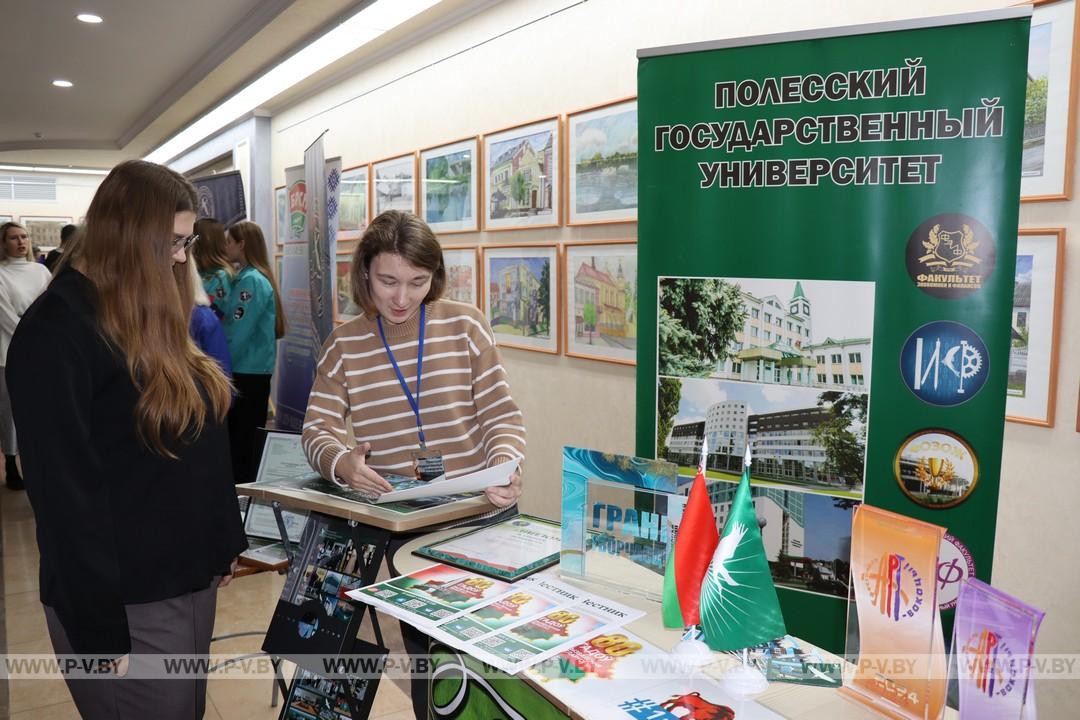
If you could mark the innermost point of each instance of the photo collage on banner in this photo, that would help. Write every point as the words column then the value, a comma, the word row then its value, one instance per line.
column 782, row 367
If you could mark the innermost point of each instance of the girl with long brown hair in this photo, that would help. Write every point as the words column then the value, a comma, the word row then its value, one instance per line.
column 254, row 321
column 213, row 263
column 137, row 518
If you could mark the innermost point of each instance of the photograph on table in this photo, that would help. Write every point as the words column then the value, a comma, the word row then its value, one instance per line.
column 1049, row 109
column 521, row 181
column 44, row 232
column 600, row 291
column 281, row 216
column 1036, row 317
column 345, row 308
column 353, row 203
column 448, row 183
column 806, row 333
column 462, row 273
column 799, row 438
column 601, row 162
column 395, row 184
column 521, row 296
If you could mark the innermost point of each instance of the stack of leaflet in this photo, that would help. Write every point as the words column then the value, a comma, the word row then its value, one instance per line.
column 509, row 626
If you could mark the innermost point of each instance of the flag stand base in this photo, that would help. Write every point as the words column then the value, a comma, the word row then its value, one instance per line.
column 694, row 653
column 743, row 681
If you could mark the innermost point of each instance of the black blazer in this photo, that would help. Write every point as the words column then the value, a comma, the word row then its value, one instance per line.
column 116, row 523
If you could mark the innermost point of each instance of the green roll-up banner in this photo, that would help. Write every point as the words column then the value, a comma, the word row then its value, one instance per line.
column 827, row 241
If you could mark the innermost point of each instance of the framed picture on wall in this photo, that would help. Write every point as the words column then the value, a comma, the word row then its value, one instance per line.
column 395, row 184
column 6, row 219
column 601, row 164
column 1049, row 112
column 448, row 186
column 600, row 301
column 462, row 274
column 521, row 176
column 1035, row 320
column 44, row 231
column 353, row 203
column 521, row 295
column 344, row 307
column 281, row 216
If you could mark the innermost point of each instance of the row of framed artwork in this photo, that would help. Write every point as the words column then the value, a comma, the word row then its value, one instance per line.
column 575, row 298
column 44, row 231
column 523, row 180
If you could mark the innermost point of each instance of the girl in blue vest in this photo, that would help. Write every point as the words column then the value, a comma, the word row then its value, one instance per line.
column 213, row 263
column 253, row 321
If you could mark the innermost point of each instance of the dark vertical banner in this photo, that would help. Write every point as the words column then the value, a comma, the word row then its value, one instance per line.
column 297, row 350
column 221, row 197
column 827, row 236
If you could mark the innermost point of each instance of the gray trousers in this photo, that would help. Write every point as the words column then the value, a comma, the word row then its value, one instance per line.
column 7, row 422
column 177, row 626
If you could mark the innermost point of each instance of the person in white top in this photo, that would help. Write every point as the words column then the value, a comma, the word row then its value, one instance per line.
column 21, row 281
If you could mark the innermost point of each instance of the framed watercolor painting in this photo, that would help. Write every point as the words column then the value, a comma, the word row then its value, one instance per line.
column 353, row 203
column 601, row 164
column 462, row 274
column 521, row 296
column 521, row 176
column 1036, row 317
column 395, row 184
column 600, row 301
column 44, row 231
column 1049, row 112
column 448, row 187
column 344, row 307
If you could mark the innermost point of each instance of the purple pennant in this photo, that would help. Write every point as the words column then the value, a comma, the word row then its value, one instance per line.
column 993, row 639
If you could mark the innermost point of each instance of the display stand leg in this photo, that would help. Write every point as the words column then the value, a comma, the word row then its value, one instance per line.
column 289, row 552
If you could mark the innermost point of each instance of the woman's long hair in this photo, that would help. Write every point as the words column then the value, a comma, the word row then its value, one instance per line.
column 209, row 252
column 255, row 255
column 126, row 252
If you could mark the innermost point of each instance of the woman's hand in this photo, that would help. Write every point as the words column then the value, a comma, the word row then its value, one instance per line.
column 505, row 495
column 226, row 579
column 353, row 469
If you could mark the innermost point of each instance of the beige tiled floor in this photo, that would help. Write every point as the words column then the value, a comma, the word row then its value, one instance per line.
column 245, row 605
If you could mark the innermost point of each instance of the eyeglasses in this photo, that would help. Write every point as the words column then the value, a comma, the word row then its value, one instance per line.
column 183, row 243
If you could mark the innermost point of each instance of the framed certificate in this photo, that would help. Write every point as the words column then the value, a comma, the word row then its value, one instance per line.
column 509, row 550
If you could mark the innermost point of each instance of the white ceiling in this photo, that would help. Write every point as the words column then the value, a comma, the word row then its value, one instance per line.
column 148, row 70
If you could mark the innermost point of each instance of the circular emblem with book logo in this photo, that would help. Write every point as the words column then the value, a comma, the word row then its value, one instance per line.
column 936, row 468
column 950, row 255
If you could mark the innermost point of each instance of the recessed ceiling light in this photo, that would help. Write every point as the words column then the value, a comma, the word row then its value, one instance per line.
column 62, row 83
column 88, row 18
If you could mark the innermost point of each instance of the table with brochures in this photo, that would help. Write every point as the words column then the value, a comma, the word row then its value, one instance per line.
column 584, row 683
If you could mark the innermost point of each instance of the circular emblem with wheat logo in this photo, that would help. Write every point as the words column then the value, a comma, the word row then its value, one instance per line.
column 936, row 468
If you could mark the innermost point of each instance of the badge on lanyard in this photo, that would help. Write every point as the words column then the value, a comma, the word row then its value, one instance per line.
column 428, row 465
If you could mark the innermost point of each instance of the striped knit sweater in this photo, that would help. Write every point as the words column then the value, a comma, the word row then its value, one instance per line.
column 465, row 404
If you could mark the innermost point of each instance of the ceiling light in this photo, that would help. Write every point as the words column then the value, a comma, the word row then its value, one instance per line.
column 62, row 83
column 355, row 32
column 46, row 169
column 88, row 18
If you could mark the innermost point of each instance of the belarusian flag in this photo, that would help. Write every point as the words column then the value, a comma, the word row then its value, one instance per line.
column 686, row 563
column 738, row 599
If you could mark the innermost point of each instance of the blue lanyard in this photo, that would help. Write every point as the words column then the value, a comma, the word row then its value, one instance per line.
column 414, row 403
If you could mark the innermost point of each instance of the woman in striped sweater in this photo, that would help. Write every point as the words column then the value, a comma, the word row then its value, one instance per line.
column 369, row 367
column 411, row 373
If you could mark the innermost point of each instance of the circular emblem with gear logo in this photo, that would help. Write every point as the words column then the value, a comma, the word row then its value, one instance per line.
column 936, row 468
column 944, row 363
column 950, row 255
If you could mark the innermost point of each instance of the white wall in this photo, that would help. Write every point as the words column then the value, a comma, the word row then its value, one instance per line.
column 73, row 195
column 586, row 56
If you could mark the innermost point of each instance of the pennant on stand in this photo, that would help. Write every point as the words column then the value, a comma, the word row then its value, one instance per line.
column 739, row 607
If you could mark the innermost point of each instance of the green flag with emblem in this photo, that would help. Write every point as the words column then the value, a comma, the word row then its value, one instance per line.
column 739, row 607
